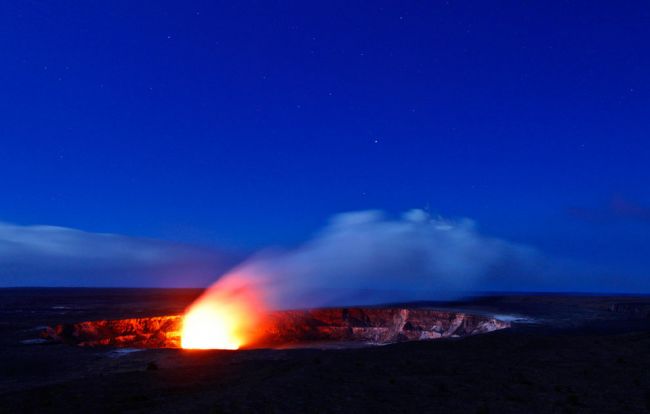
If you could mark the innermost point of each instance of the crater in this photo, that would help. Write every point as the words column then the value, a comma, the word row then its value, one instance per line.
column 295, row 328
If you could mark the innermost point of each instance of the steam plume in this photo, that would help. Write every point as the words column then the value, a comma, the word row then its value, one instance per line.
column 365, row 257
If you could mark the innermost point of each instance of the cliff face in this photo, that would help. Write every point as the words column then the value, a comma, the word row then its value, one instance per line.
column 154, row 332
column 377, row 325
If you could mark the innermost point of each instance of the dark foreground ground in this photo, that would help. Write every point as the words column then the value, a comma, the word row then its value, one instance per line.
column 567, row 354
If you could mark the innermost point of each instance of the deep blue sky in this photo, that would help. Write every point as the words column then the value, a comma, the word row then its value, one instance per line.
column 241, row 125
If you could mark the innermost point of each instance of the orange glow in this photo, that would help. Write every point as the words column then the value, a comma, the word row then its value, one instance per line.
column 224, row 317
column 211, row 326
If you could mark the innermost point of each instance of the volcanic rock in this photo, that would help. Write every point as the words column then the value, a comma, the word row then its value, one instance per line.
column 153, row 332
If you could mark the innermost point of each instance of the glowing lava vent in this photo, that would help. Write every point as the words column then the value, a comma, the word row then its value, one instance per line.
column 224, row 317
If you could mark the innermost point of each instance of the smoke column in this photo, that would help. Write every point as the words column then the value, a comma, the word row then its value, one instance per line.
column 364, row 257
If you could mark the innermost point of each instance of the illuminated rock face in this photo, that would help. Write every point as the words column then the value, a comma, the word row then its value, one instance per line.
column 154, row 332
column 376, row 325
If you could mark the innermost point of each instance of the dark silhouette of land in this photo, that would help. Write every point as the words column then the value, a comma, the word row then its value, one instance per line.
column 564, row 354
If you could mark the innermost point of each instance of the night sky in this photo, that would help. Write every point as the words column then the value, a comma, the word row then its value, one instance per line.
column 233, row 126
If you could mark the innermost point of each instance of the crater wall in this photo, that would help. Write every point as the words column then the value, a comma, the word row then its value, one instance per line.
column 366, row 325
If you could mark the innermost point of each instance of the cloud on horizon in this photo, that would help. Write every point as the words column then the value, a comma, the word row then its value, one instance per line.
column 40, row 255
column 362, row 256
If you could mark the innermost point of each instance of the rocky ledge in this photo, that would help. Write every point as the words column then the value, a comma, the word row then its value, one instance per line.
column 366, row 325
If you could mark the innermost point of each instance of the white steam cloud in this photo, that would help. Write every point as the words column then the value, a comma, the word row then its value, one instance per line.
column 365, row 257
